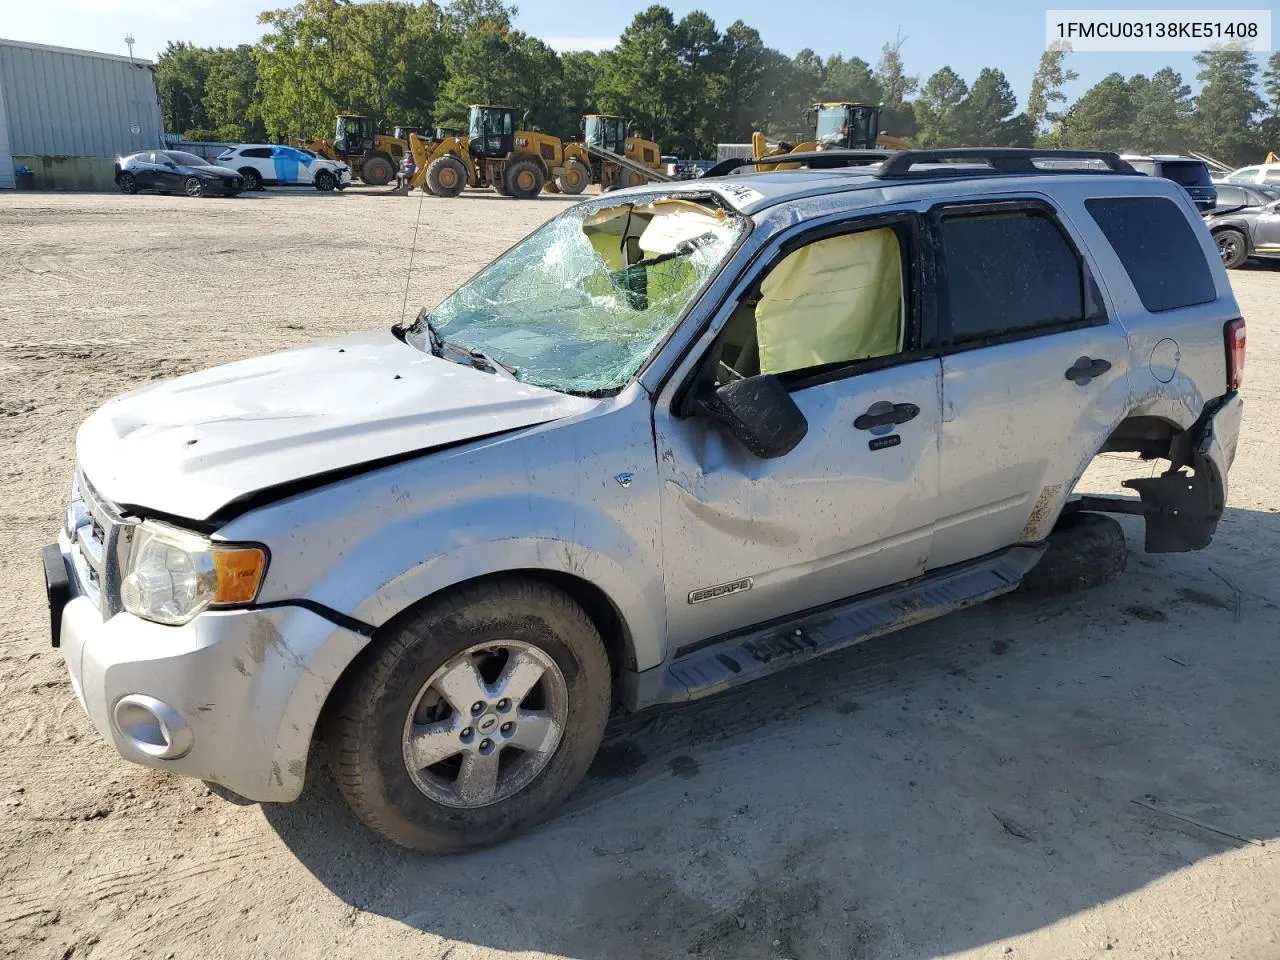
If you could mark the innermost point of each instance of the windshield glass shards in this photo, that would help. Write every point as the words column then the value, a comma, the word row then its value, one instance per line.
column 581, row 304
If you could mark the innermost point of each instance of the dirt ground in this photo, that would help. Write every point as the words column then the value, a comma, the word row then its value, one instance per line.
column 1007, row 782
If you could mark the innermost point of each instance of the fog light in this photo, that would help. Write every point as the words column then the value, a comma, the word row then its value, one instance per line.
column 152, row 727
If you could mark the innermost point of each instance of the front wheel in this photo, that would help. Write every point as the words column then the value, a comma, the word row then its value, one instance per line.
column 325, row 181
column 446, row 176
column 523, row 179
column 193, row 187
column 1232, row 247
column 574, row 179
column 473, row 719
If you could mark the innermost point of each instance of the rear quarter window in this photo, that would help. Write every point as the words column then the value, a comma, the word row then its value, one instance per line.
column 1158, row 248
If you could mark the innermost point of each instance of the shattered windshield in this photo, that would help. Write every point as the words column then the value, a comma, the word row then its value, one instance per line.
column 581, row 303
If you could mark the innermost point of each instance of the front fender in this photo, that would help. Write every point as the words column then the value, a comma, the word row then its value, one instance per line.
column 421, row 556
column 577, row 496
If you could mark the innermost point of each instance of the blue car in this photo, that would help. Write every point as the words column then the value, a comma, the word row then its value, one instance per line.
column 173, row 171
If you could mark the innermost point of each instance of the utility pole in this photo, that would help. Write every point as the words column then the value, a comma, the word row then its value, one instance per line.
column 128, row 39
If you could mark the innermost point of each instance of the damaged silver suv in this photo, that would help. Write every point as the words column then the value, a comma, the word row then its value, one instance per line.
column 675, row 440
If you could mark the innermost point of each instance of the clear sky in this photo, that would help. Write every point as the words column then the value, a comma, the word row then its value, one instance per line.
column 1008, row 34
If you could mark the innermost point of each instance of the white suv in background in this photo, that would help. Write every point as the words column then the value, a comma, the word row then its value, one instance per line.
column 266, row 164
column 1268, row 173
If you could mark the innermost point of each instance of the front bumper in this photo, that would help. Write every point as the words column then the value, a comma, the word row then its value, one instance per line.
column 231, row 697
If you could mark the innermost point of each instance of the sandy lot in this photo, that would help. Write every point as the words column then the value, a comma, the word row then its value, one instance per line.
column 964, row 789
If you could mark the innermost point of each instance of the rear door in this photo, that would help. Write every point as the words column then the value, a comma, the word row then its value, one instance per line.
column 1033, row 373
column 259, row 159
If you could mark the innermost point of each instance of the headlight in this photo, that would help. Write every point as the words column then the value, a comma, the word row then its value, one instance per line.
column 173, row 575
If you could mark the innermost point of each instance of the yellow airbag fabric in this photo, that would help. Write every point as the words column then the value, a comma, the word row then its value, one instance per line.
column 835, row 300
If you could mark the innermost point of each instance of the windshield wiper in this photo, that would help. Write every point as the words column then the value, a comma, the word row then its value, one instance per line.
column 473, row 355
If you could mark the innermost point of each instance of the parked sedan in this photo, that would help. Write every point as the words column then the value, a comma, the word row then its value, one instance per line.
column 1246, row 223
column 173, row 171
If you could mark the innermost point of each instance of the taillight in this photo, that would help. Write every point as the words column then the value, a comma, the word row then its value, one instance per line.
column 1234, row 334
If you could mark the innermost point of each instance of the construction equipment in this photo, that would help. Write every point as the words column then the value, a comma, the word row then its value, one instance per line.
column 840, row 125
column 494, row 152
column 372, row 156
column 609, row 156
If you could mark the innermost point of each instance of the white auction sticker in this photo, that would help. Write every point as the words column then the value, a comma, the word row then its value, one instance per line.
column 1136, row 31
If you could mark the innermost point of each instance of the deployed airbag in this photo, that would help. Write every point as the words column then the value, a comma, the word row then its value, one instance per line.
column 835, row 300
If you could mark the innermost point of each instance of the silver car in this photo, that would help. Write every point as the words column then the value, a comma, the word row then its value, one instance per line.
column 675, row 440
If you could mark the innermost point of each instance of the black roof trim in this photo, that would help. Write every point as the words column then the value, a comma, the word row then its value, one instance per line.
column 898, row 165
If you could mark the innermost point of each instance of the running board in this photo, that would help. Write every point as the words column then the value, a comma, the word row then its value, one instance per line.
column 760, row 652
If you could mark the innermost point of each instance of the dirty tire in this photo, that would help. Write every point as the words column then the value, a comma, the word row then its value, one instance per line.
column 1085, row 550
column 574, row 179
column 365, row 724
column 446, row 176
column 127, row 183
column 523, row 179
column 252, row 178
column 1232, row 247
column 377, row 171
column 325, row 181
column 632, row 179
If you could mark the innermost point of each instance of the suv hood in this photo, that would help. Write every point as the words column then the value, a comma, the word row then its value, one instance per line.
column 189, row 446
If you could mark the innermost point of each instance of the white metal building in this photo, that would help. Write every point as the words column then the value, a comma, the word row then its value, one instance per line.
column 68, row 114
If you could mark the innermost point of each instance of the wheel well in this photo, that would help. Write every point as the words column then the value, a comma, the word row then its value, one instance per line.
column 597, row 605
column 1152, row 437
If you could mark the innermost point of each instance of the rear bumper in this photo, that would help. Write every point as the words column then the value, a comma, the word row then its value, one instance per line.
column 231, row 697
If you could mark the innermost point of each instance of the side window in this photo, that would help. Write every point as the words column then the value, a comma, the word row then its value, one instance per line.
column 834, row 301
column 1230, row 196
column 256, row 153
column 507, row 122
column 1271, row 176
column 1158, row 248
column 1012, row 272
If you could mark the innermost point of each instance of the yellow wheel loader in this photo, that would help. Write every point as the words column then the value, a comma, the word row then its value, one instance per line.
column 493, row 153
column 373, row 157
column 609, row 156
column 839, row 125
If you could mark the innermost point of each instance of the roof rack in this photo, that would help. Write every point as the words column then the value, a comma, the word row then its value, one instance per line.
column 898, row 165
column 1000, row 159
column 813, row 159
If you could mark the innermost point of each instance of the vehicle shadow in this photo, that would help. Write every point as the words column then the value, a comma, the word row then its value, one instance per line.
column 953, row 785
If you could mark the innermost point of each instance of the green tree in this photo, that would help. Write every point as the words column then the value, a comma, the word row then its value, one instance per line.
column 1222, row 125
column 851, row 80
column 1102, row 119
column 1270, row 128
column 181, row 72
column 988, row 116
column 940, row 110
column 896, row 85
column 1046, row 88
column 643, row 78
column 490, row 61
column 229, row 100
column 1162, row 111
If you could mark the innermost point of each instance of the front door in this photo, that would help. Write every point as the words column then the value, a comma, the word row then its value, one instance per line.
column 1034, row 374
column 1266, row 234
column 835, row 316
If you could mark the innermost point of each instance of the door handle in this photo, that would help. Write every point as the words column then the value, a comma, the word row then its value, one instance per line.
column 1086, row 369
column 882, row 413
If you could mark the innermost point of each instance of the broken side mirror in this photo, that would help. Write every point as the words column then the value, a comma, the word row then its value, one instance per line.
column 758, row 412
